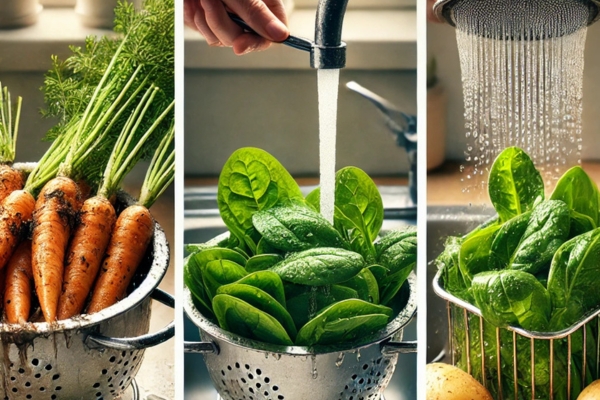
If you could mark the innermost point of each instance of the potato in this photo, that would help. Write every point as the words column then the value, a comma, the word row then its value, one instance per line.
column 445, row 382
column 592, row 392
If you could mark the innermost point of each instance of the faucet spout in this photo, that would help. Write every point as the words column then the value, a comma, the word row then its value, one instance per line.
column 329, row 52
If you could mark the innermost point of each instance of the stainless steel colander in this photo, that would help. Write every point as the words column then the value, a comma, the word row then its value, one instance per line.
column 91, row 356
column 246, row 369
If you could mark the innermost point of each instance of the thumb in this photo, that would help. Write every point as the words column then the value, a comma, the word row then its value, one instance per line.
column 263, row 19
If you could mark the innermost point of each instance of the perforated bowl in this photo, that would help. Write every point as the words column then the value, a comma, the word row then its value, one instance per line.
column 91, row 356
column 243, row 369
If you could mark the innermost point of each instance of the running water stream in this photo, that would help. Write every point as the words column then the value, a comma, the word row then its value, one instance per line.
column 328, row 83
column 522, row 86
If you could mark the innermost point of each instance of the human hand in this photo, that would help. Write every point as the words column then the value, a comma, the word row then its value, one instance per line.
column 266, row 17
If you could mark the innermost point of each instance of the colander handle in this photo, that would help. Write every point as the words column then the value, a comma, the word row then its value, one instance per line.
column 390, row 348
column 141, row 342
column 200, row 347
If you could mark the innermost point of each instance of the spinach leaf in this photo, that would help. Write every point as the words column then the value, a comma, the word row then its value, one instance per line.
column 392, row 238
column 296, row 228
column 474, row 253
column 515, row 185
column 252, row 180
column 579, row 192
column 217, row 273
column 342, row 322
column 365, row 285
column 358, row 211
column 400, row 258
column 237, row 316
column 263, row 301
column 512, row 297
column 261, row 262
column 196, row 286
column 304, row 302
column 268, row 281
column 321, row 266
column 452, row 277
column 572, row 282
column 528, row 241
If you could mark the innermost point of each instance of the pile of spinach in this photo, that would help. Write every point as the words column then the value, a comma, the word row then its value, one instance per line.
column 536, row 266
column 285, row 275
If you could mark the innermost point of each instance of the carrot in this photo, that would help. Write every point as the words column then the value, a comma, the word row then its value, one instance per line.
column 15, row 213
column 53, row 218
column 131, row 236
column 19, row 285
column 85, row 254
column 10, row 180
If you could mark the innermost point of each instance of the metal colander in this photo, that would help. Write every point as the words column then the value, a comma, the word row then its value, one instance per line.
column 580, row 342
column 91, row 356
column 243, row 369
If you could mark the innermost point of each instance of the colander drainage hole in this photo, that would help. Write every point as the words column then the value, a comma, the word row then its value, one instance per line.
column 258, row 385
column 247, row 366
column 96, row 385
column 35, row 362
column 365, row 366
column 28, row 396
column 112, row 359
column 275, row 388
column 104, row 372
column 258, row 372
column 222, row 372
column 27, row 384
column 38, row 375
column 267, row 380
column 58, row 388
column 280, row 397
column 12, row 378
column 251, row 390
column 42, row 389
column 229, row 367
column 237, row 365
column 354, row 377
column 98, row 394
column 55, row 377
column 243, row 380
column 21, row 371
column 53, row 397
column 250, row 376
column 48, row 367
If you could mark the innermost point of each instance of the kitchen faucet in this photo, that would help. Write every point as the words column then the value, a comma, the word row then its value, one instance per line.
column 327, row 51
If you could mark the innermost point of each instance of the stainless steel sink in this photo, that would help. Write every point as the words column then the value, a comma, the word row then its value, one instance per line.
column 441, row 223
column 202, row 223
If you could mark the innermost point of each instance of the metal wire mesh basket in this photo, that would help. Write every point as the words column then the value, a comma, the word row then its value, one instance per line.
column 513, row 363
column 243, row 369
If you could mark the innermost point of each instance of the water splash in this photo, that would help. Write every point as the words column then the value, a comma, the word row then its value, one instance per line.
column 522, row 86
column 328, row 82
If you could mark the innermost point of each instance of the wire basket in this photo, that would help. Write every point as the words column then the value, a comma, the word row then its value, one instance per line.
column 513, row 363
column 243, row 369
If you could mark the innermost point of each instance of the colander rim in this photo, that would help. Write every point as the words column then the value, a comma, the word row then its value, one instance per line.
column 399, row 322
column 157, row 270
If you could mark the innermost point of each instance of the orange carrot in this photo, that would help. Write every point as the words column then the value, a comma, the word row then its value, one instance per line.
column 87, row 248
column 10, row 180
column 53, row 218
column 19, row 285
column 15, row 213
column 131, row 236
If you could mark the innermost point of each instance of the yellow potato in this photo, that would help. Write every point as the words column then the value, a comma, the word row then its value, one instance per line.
column 445, row 382
column 592, row 392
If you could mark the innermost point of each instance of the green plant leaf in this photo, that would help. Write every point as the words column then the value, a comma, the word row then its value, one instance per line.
column 217, row 273
column 252, row 180
column 237, row 316
column 304, row 302
column 342, row 322
column 295, row 228
column 365, row 285
column 515, row 185
column 268, row 281
column 261, row 262
column 321, row 266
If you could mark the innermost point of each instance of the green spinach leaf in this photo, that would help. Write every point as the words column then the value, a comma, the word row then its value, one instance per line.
column 339, row 322
column 252, row 180
column 304, row 302
column 365, row 285
column 321, row 266
column 217, row 273
column 268, row 281
column 579, row 192
column 295, row 228
column 512, row 297
column 237, row 316
column 261, row 262
column 515, row 185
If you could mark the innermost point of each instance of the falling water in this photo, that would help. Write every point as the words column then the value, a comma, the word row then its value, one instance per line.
column 522, row 81
column 328, row 82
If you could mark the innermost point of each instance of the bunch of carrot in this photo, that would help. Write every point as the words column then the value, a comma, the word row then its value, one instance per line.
column 58, row 246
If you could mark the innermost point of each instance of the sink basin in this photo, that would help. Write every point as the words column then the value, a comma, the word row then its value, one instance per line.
column 202, row 223
column 441, row 223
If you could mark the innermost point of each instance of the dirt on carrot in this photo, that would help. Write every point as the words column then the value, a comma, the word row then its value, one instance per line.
column 19, row 285
column 130, row 239
column 86, row 250
column 53, row 219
